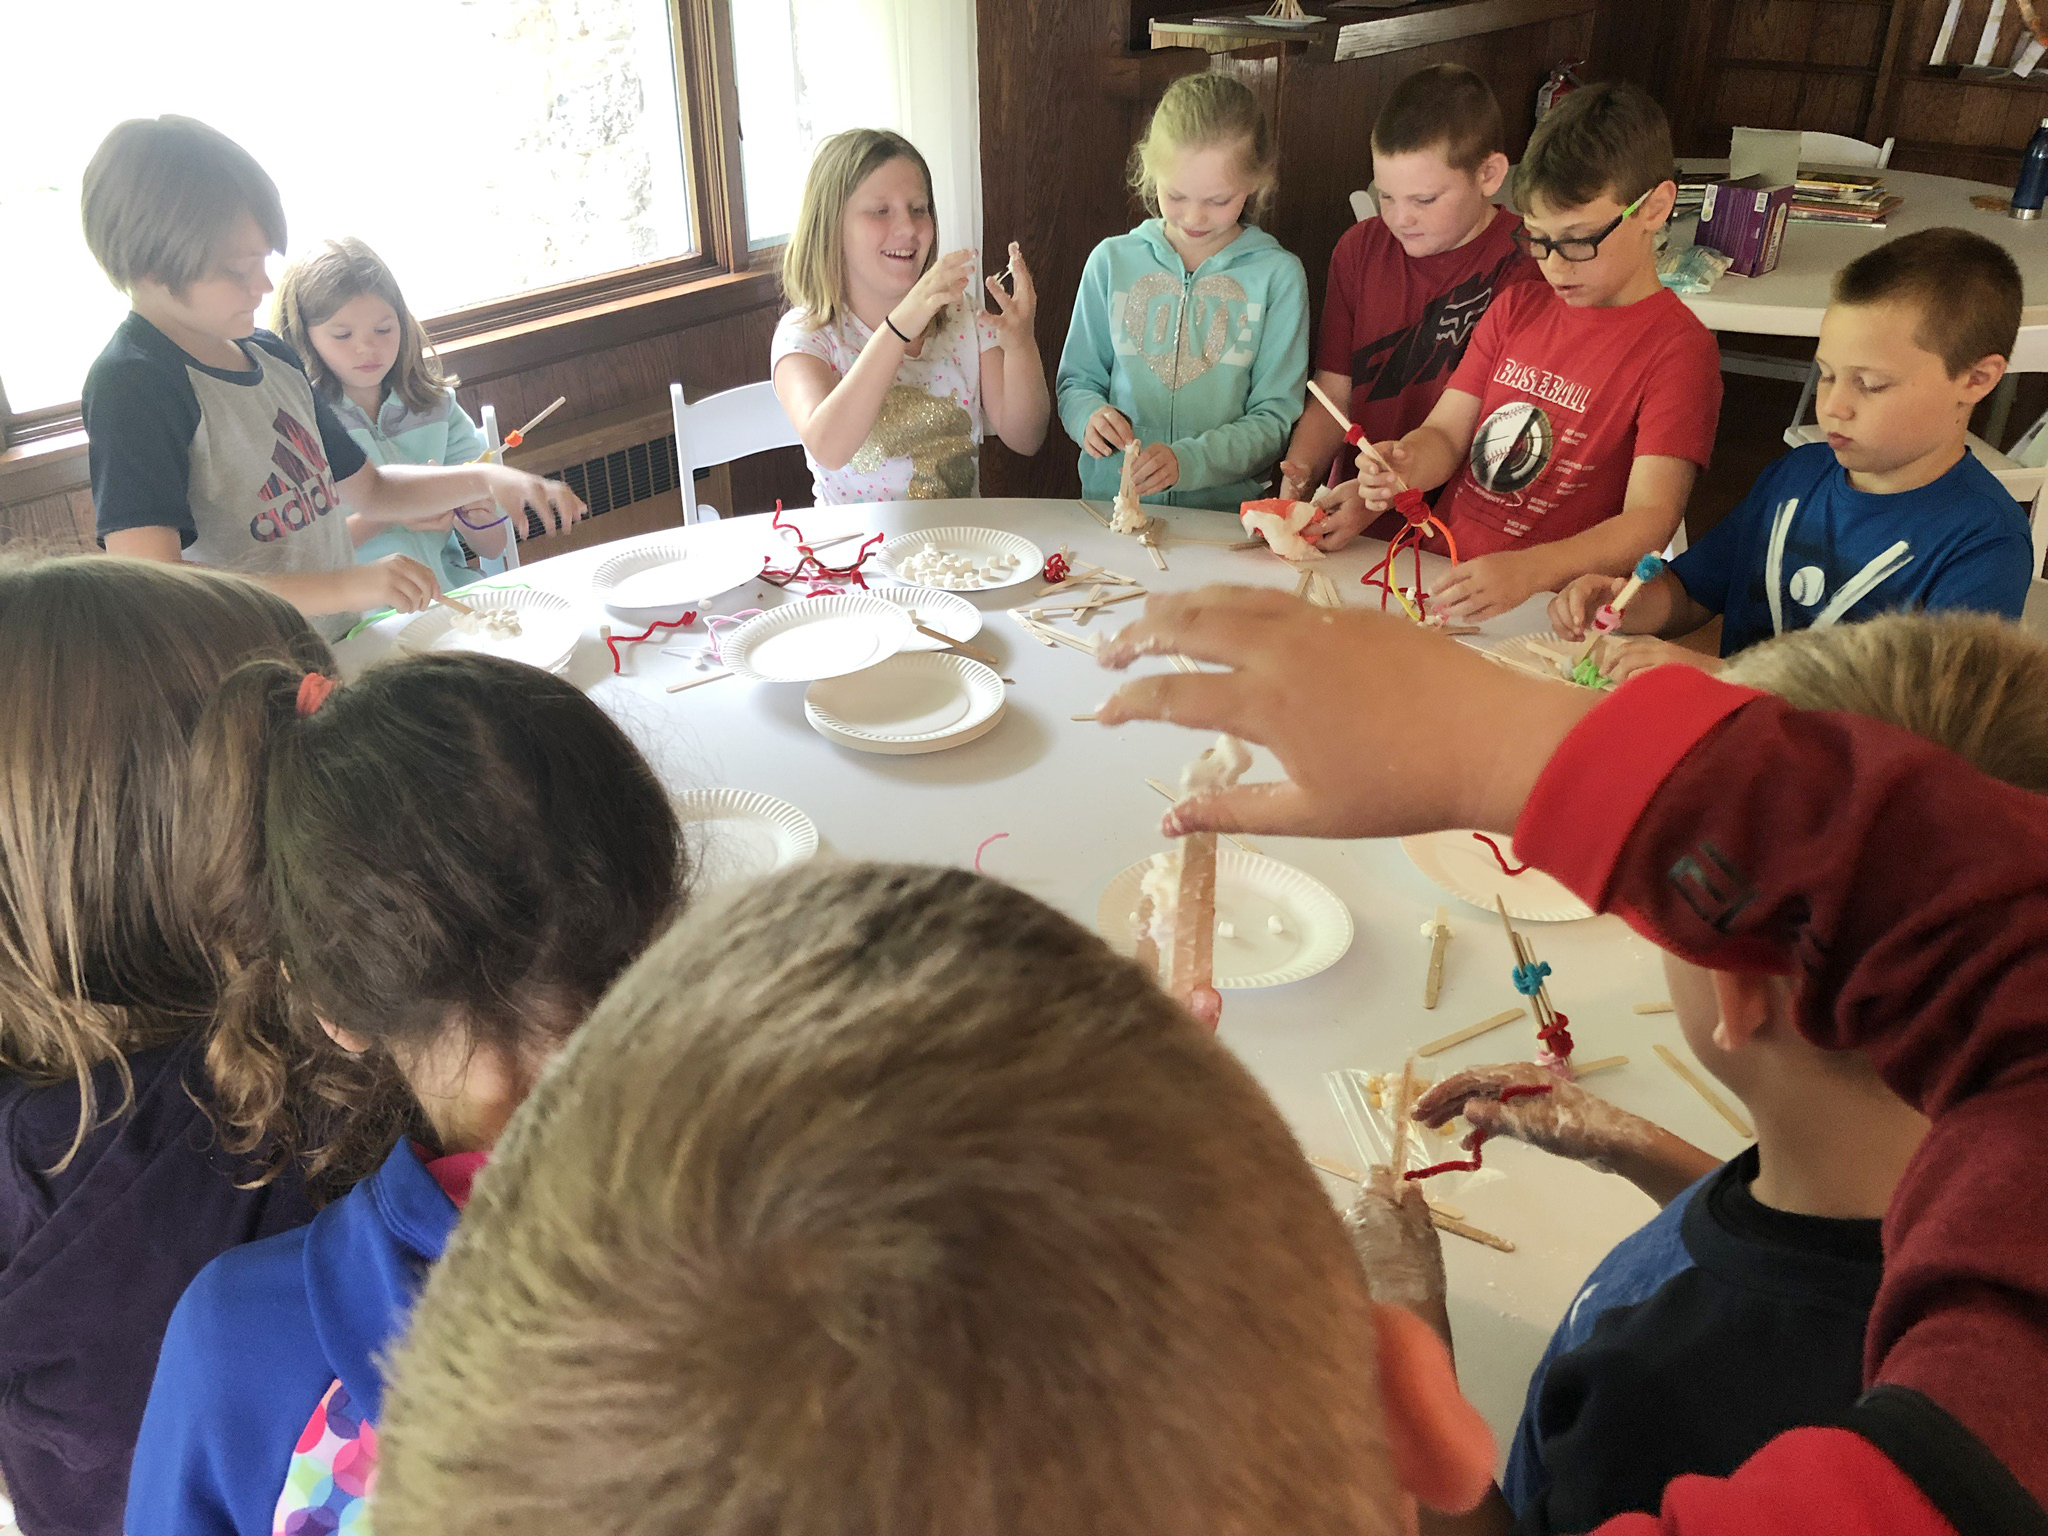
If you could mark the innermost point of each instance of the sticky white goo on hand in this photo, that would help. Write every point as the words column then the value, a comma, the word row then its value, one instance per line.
column 1216, row 769
column 1128, row 516
column 491, row 623
column 1282, row 532
column 1390, row 1232
column 1161, row 882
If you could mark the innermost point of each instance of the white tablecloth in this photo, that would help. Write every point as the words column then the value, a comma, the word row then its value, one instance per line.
column 1074, row 801
column 1789, row 300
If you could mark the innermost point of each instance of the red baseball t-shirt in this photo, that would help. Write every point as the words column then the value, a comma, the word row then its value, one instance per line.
column 1396, row 325
column 1569, row 399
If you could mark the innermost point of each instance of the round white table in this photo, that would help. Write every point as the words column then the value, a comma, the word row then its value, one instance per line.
column 1073, row 799
column 1789, row 299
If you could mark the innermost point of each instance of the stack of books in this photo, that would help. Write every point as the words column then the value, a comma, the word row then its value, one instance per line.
column 1842, row 197
column 1692, row 191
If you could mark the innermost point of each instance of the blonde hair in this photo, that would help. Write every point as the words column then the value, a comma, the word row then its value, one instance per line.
column 1205, row 112
column 160, row 195
column 887, row 1199
column 1975, row 685
column 109, row 663
column 814, row 265
column 341, row 271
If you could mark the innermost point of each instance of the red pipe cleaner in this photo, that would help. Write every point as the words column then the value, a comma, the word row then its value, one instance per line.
column 613, row 642
column 1478, row 1138
column 1556, row 1037
column 1056, row 568
column 1500, row 858
column 983, row 848
column 813, row 571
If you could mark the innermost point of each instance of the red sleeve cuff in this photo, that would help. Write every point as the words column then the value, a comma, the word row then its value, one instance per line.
column 1600, row 782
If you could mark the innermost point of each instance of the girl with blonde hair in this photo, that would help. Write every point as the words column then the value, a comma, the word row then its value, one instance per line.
column 889, row 376
column 125, row 1171
column 368, row 357
column 1189, row 342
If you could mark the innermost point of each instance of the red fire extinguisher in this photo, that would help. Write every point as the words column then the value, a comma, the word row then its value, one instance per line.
column 1564, row 79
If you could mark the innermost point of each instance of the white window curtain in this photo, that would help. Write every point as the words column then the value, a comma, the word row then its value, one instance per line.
column 908, row 65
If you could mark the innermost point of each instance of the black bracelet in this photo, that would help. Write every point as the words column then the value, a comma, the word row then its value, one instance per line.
column 890, row 322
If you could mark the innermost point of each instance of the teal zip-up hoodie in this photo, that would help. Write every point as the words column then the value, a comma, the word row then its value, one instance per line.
column 1211, row 362
column 442, row 434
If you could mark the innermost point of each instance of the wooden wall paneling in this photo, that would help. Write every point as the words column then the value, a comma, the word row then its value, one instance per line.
column 58, row 524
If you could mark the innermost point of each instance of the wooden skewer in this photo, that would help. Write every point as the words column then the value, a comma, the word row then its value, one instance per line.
column 1186, row 664
column 1473, row 1032
column 1246, row 544
column 448, row 602
column 839, row 538
column 560, row 401
column 699, row 682
column 1469, row 1232
column 1244, row 843
column 1433, row 983
column 1093, row 513
column 1345, row 422
column 986, row 658
column 1714, row 1100
column 1604, row 1064
column 1093, row 602
column 1646, row 1009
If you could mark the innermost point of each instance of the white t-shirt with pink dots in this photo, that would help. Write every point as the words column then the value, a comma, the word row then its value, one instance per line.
column 926, row 443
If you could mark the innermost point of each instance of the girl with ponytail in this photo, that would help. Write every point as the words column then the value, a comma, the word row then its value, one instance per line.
column 419, row 887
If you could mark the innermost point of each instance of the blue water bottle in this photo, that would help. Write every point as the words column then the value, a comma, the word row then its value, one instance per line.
column 2032, row 187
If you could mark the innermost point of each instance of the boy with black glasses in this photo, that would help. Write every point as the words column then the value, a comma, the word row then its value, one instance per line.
column 1569, row 437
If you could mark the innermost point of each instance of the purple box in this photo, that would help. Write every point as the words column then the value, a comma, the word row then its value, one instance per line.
column 1745, row 221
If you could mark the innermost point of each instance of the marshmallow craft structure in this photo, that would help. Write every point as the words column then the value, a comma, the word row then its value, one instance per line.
column 1128, row 515
column 1176, row 916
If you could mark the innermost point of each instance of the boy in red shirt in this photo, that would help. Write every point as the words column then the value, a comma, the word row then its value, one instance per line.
column 1569, row 438
column 1407, row 288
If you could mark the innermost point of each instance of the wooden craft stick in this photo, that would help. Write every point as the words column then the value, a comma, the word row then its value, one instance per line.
column 1105, row 602
column 463, row 608
column 1246, row 544
column 1433, row 983
column 1473, row 1032
column 1404, row 1089
column 1242, row 842
column 1084, row 719
column 986, row 658
column 1127, row 473
column 1194, row 917
column 1649, row 1008
column 1337, row 1169
column 1439, row 1211
column 1093, row 513
column 1185, row 663
column 1150, row 540
column 698, row 682
column 1714, row 1100
column 1467, row 1231
column 1604, row 1064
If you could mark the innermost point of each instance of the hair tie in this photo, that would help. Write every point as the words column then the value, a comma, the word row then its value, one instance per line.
column 314, row 688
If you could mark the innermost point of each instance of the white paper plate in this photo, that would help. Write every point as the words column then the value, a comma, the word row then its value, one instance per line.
column 947, row 612
column 920, row 702
column 1535, row 653
column 671, row 574
column 548, row 628
column 809, row 638
column 977, row 543
column 1459, row 862
column 1250, row 888
column 746, row 834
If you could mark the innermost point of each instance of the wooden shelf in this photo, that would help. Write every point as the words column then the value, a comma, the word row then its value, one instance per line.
column 1952, row 74
column 1795, row 67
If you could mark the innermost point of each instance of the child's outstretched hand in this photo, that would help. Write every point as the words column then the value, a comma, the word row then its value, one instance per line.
column 1016, row 310
column 1377, row 488
column 1155, row 470
column 1483, row 588
column 1345, row 517
column 946, row 283
column 1396, row 1243
column 1621, row 658
column 1572, row 610
column 1565, row 1122
column 1109, row 430
column 513, row 491
column 393, row 582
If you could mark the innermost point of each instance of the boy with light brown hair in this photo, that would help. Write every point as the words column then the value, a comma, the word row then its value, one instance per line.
column 1408, row 286
column 1569, row 437
column 886, row 1199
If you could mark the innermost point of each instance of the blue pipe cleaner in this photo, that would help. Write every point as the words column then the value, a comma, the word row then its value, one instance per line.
column 1649, row 568
column 1529, row 978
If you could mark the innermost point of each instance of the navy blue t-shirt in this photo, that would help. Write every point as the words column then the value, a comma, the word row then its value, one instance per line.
column 1967, row 546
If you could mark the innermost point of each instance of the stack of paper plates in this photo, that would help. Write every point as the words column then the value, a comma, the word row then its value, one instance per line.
column 548, row 628
column 663, row 579
column 947, row 612
column 816, row 637
column 921, row 702
column 745, row 834
column 1284, row 924
column 979, row 545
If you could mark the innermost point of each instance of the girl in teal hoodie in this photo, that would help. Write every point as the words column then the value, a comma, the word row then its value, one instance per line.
column 1190, row 333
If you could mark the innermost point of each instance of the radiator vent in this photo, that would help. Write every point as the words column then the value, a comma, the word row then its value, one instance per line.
column 619, row 479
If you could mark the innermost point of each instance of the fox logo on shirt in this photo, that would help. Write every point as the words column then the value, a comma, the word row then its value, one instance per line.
column 300, row 490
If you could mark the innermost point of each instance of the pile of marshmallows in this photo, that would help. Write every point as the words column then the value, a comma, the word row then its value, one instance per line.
column 951, row 571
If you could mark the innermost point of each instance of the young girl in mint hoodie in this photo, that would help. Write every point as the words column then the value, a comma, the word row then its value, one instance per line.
column 1190, row 333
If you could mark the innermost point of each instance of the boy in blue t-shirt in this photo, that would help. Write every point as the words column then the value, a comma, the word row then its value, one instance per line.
column 1892, row 512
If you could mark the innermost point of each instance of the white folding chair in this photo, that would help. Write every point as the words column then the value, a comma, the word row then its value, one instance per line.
column 1363, row 207
column 1840, row 149
column 720, row 428
column 2017, row 472
column 509, row 561
column 2035, row 615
